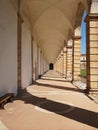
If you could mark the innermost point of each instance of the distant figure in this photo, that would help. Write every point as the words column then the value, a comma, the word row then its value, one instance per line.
column 51, row 66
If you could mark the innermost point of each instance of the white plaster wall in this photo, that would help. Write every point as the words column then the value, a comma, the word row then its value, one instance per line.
column 41, row 63
column 46, row 68
column 44, row 63
column 35, row 62
column 41, row 66
column 8, row 48
column 26, row 57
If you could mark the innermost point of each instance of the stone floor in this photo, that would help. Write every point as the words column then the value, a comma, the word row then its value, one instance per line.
column 52, row 103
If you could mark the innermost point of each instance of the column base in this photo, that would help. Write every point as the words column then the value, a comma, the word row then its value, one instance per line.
column 39, row 76
column 93, row 90
column 82, row 86
column 69, row 78
column 64, row 76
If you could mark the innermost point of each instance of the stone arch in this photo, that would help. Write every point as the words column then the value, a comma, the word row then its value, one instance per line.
column 79, row 14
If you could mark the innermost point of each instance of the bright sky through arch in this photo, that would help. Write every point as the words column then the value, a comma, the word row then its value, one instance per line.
column 83, row 34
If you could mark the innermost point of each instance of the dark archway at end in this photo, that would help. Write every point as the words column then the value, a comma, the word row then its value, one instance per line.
column 51, row 66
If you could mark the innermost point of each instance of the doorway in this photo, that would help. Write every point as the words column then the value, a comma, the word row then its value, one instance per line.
column 51, row 67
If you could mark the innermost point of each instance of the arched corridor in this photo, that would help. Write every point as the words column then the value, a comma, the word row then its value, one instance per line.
column 42, row 66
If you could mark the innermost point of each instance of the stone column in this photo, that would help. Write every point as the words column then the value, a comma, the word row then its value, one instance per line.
column 76, row 58
column 92, row 46
column 44, row 63
column 55, row 66
column 62, row 63
column 69, row 60
column 64, row 59
column 59, row 64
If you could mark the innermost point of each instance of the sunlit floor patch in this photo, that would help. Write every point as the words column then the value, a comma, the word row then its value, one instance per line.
column 9, row 109
column 35, row 92
column 2, row 126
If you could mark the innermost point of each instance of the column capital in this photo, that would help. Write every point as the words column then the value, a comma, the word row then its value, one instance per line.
column 69, row 47
column 64, row 51
column 76, row 37
column 91, row 16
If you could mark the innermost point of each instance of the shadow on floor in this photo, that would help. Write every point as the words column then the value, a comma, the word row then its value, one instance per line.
column 59, row 87
column 78, row 114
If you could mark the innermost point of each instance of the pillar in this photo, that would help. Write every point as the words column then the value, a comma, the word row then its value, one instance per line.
column 64, row 61
column 92, row 46
column 44, row 64
column 69, row 60
column 59, row 63
column 76, row 55
column 55, row 66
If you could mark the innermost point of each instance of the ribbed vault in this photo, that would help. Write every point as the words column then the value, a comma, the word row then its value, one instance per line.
column 52, row 22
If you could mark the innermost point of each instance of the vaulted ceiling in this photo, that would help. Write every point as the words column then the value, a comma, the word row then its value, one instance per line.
column 52, row 22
